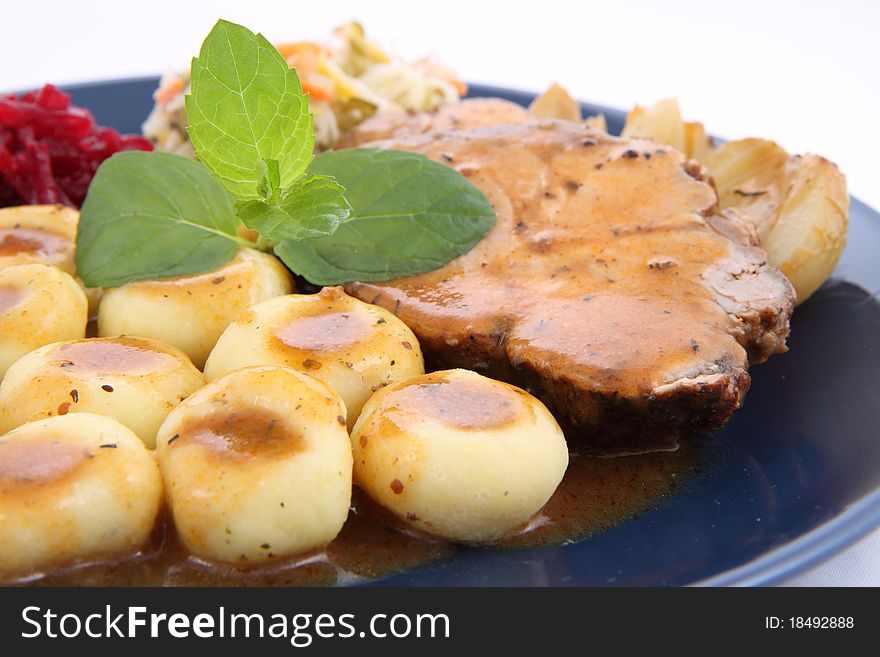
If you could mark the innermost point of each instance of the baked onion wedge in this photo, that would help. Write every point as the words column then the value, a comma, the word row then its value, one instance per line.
column 799, row 204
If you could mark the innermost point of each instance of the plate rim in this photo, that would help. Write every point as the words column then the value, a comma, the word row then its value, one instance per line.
column 812, row 548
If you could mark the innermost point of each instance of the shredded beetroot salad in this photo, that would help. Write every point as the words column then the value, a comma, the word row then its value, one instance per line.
column 50, row 150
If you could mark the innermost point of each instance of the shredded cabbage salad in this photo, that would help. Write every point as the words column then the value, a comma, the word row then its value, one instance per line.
column 347, row 82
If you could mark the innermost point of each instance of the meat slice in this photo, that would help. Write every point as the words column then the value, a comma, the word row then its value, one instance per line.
column 609, row 285
column 469, row 113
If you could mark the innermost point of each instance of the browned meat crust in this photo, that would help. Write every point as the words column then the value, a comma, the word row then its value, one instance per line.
column 609, row 285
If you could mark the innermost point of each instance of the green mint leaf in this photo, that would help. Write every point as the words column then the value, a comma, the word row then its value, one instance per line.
column 153, row 215
column 246, row 107
column 318, row 203
column 269, row 187
column 409, row 214
column 314, row 207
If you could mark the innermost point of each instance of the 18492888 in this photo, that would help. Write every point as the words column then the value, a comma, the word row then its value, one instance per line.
column 810, row 622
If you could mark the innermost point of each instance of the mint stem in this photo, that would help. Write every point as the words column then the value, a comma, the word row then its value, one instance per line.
column 265, row 244
column 245, row 242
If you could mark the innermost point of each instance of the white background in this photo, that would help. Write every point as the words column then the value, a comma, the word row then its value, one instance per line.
column 802, row 73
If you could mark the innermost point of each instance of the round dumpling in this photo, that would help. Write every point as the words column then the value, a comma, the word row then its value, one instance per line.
column 458, row 455
column 354, row 347
column 39, row 304
column 38, row 233
column 190, row 312
column 257, row 466
column 44, row 234
column 77, row 487
column 133, row 380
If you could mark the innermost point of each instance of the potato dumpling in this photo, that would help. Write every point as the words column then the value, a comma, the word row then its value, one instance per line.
column 257, row 465
column 133, row 380
column 456, row 454
column 39, row 304
column 352, row 346
column 43, row 234
column 38, row 233
column 190, row 312
column 77, row 487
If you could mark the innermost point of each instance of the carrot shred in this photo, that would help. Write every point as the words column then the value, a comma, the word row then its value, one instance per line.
column 316, row 91
column 168, row 92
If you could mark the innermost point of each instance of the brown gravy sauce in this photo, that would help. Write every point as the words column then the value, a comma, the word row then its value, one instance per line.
column 595, row 495
column 257, row 433
column 111, row 355
column 471, row 404
column 329, row 331
column 29, row 463
column 14, row 241
column 9, row 298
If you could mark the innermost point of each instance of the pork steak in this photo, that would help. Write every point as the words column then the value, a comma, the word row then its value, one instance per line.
column 469, row 113
column 609, row 286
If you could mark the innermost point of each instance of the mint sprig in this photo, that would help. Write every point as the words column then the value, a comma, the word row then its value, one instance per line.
column 314, row 207
column 250, row 124
column 360, row 214
column 247, row 108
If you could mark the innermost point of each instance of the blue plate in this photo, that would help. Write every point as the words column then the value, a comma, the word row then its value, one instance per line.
column 793, row 478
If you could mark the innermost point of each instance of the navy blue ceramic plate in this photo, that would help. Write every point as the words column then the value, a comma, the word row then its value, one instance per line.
column 792, row 478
